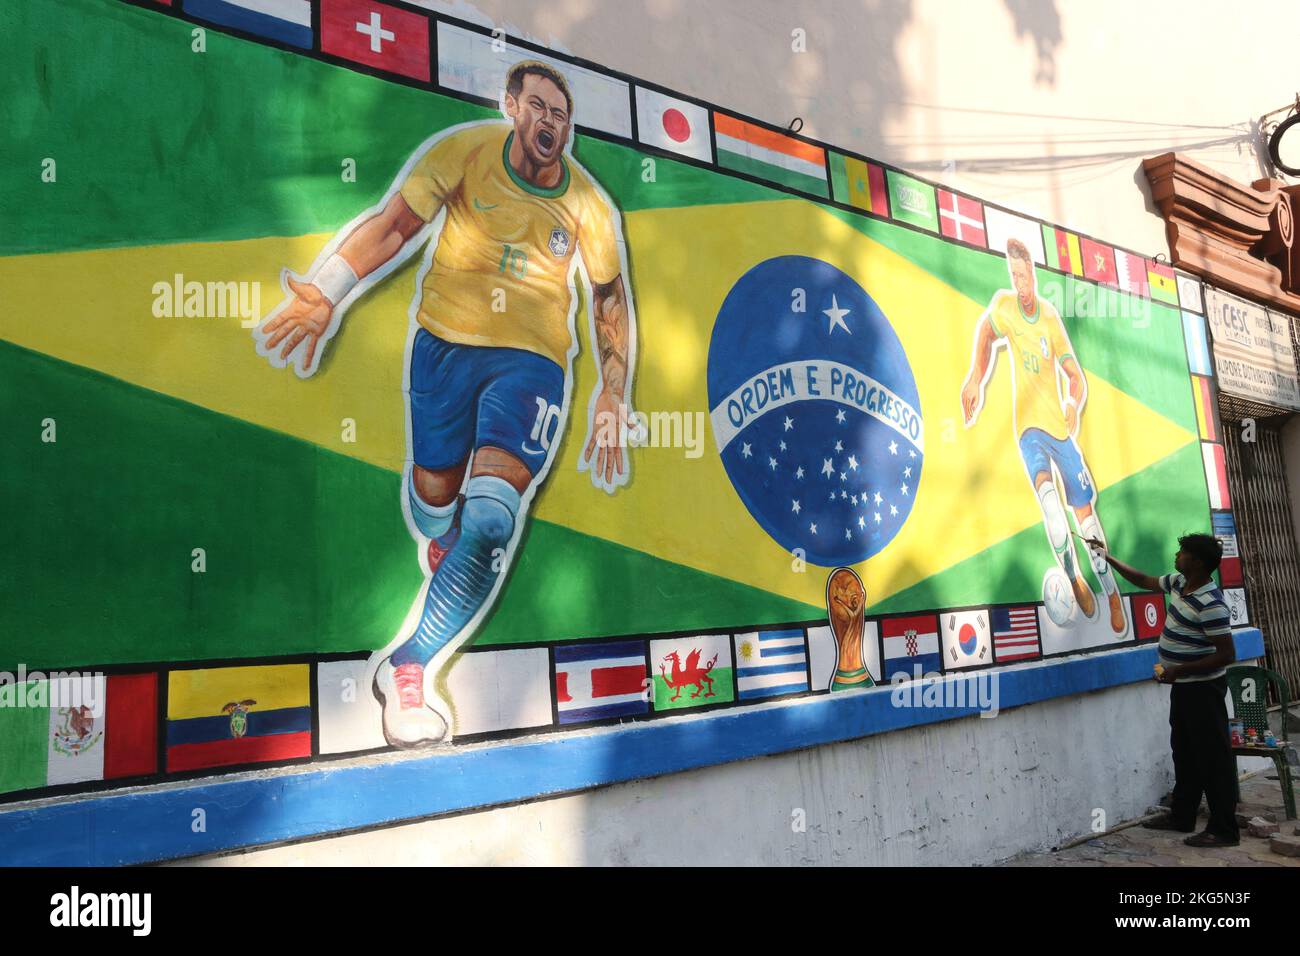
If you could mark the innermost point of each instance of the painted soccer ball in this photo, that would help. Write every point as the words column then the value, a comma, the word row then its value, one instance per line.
column 1058, row 597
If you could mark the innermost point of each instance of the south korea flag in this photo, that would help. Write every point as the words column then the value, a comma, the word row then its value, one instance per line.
column 967, row 639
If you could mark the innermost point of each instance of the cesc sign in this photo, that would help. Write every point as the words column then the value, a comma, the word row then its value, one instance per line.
column 1232, row 320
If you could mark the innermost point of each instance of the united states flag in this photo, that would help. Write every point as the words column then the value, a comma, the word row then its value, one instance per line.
column 1015, row 633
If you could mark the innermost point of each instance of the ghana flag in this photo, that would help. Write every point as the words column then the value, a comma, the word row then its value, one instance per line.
column 177, row 499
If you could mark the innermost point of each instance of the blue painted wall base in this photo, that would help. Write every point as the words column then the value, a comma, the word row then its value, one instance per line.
column 158, row 823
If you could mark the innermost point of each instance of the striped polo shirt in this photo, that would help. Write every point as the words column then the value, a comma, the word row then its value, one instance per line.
column 1191, row 624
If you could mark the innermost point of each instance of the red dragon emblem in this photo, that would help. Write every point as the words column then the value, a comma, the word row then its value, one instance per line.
column 692, row 673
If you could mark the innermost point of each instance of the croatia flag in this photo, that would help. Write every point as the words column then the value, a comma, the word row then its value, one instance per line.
column 911, row 642
column 599, row 681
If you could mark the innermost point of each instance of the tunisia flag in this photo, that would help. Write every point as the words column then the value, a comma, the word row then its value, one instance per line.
column 387, row 38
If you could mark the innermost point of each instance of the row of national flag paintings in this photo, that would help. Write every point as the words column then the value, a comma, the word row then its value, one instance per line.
column 83, row 728
column 186, row 719
column 400, row 41
column 1210, row 429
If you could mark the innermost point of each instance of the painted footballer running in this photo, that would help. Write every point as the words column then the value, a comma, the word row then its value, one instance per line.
column 510, row 218
column 1046, row 423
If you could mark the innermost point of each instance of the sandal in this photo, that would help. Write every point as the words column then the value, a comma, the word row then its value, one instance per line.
column 1208, row 839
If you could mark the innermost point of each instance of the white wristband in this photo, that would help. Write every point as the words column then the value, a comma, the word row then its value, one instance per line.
column 335, row 279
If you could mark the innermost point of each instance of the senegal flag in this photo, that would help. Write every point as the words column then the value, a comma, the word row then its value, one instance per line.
column 171, row 496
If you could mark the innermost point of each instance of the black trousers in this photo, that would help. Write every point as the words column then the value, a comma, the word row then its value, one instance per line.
column 1203, row 759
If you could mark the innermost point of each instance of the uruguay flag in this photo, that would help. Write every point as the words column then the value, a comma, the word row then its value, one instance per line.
column 288, row 21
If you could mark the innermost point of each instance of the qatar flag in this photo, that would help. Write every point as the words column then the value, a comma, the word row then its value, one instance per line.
column 666, row 122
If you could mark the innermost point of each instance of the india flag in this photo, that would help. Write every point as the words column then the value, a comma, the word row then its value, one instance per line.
column 775, row 157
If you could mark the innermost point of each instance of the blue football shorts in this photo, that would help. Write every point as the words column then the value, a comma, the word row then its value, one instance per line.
column 464, row 397
column 1040, row 451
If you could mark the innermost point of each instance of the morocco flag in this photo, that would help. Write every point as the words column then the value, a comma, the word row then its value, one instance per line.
column 377, row 35
column 1098, row 262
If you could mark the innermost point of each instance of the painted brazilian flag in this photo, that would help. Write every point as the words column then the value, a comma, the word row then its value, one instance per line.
column 171, row 496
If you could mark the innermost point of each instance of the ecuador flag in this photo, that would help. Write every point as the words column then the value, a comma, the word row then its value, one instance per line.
column 236, row 715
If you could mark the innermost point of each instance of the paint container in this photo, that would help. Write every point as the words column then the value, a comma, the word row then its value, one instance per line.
column 1252, row 737
column 1237, row 729
column 1270, row 740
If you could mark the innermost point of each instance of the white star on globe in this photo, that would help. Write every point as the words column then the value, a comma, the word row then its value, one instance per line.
column 783, row 447
column 854, row 499
column 794, row 506
column 862, row 522
column 848, row 535
column 789, row 423
column 827, row 468
column 836, row 316
column 877, row 517
column 905, row 488
column 839, row 415
column 744, row 450
column 844, row 476
column 853, row 463
column 893, row 511
column 907, row 472
column 771, row 462
column 878, row 499
column 813, row 528
column 912, row 453
column 893, row 448
column 839, row 445
column 844, row 495
column 799, row 472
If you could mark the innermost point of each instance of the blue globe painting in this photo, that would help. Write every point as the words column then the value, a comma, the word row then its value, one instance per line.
column 815, row 410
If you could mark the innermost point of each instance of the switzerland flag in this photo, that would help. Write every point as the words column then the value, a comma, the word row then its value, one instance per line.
column 377, row 35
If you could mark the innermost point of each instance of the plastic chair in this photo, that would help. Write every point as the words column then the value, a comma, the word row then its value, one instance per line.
column 1254, row 713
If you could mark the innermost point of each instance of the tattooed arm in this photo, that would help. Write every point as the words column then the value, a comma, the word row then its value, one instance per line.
column 610, row 404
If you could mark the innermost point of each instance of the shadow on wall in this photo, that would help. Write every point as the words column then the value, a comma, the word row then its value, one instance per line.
column 1041, row 23
column 741, row 51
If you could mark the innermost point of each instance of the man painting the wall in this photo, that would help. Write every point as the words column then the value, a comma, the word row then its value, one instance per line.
column 1045, row 423
column 490, row 358
column 1195, row 650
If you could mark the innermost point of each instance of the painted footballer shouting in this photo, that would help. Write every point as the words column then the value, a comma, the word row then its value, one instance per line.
column 512, row 218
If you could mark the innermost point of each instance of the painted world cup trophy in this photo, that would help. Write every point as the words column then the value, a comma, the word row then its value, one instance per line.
column 846, row 600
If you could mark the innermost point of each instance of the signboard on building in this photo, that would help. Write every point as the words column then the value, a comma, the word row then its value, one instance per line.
column 1252, row 350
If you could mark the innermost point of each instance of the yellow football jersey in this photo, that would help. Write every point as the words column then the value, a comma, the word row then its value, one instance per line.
column 1036, row 344
column 503, row 233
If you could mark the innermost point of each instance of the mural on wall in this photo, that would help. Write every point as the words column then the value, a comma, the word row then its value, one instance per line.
column 416, row 538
